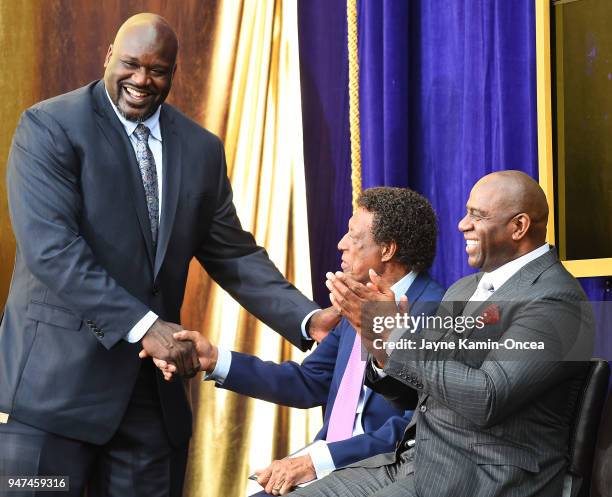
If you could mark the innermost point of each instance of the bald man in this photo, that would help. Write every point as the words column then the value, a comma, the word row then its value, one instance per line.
column 489, row 422
column 112, row 192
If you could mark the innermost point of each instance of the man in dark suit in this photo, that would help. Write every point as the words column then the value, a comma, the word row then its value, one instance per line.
column 111, row 195
column 492, row 424
column 394, row 232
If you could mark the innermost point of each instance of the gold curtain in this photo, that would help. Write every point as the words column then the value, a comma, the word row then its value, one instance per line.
column 18, row 39
column 259, row 117
column 239, row 77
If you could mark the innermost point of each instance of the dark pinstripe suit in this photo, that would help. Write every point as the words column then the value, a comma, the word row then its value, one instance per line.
column 492, row 428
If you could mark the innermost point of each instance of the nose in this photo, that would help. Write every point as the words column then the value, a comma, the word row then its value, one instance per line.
column 140, row 77
column 465, row 224
column 342, row 244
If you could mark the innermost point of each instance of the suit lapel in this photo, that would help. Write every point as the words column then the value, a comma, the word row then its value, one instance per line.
column 120, row 145
column 417, row 288
column 171, row 152
column 519, row 281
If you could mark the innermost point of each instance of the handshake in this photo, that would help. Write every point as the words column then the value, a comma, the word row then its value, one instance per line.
column 184, row 352
column 176, row 350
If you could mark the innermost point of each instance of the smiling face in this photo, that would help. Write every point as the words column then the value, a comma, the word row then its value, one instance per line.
column 359, row 250
column 488, row 228
column 139, row 66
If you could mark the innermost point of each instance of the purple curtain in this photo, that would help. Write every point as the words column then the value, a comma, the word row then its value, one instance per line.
column 447, row 94
column 327, row 153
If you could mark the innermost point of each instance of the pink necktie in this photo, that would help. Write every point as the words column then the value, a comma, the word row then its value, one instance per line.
column 342, row 417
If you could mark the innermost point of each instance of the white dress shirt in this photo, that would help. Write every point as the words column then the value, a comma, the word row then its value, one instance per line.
column 319, row 452
column 499, row 276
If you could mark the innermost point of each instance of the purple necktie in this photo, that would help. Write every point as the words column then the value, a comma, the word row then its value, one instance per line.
column 342, row 417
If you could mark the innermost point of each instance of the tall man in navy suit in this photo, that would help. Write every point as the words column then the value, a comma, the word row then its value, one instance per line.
column 393, row 232
column 111, row 194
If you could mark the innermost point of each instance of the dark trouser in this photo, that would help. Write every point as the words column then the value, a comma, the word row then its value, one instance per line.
column 137, row 461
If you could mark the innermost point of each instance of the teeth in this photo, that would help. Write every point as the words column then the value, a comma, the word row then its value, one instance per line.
column 135, row 93
column 471, row 242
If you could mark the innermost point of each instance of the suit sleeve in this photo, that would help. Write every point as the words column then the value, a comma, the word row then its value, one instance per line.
column 504, row 382
column 397, row 393
column 45, row 205
column 296, row 385
column 235, row 261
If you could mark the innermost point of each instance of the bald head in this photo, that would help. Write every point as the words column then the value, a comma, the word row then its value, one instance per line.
column 148, row 28
column 515, row 192
column 140, row 65
column 506, row 217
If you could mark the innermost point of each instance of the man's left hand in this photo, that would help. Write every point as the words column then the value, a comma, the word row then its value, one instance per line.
column 348, row 297
column 283, row 475
column 322, row 322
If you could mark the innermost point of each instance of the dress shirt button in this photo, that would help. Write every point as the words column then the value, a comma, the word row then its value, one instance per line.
column 423, row 408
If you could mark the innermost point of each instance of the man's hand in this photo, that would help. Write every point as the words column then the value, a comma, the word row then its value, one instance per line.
column 322, row 322
column 159, row 343
column 207, row 353
column 283, row 475
column 348, row 297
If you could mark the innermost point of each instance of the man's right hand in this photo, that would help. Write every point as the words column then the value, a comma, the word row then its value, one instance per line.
column 160, row 344
column 206, row 351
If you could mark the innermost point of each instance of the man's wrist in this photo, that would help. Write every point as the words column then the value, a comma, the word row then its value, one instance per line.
column 306, row 324
column 214, row 357
column 223, row 363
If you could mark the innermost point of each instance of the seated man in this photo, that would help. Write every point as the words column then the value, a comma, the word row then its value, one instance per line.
column 485, row 426
column 393, row 232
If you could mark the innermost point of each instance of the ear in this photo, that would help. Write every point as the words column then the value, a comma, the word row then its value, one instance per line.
column 520, row 226
column 109, row 54
column 388, row 251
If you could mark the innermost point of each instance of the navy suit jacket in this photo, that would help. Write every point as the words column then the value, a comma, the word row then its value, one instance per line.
column 315, row 382
column 86, row 271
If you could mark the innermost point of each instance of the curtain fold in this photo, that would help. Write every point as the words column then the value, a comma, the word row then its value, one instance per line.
column 263, row 142
column 19, row 36
column 327, row 152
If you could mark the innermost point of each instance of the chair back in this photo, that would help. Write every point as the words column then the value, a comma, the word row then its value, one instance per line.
column 583, row 432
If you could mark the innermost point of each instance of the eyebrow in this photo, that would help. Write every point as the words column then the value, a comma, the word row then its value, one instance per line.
column 473, row 210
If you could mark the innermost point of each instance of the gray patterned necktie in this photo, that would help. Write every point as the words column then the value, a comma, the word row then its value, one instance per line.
column 148, row 171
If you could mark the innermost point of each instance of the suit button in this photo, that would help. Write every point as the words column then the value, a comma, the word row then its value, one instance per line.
column 155, row 290
column 423, row 408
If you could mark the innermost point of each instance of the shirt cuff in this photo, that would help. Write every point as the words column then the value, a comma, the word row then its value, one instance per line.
column 321, row 458
column 141, row 327
column 305, row 322
column 224, row 362
column 377, row 370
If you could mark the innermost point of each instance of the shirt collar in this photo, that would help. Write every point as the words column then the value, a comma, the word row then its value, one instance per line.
column 503, row 273
column 400, row 287
column 152, row 122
